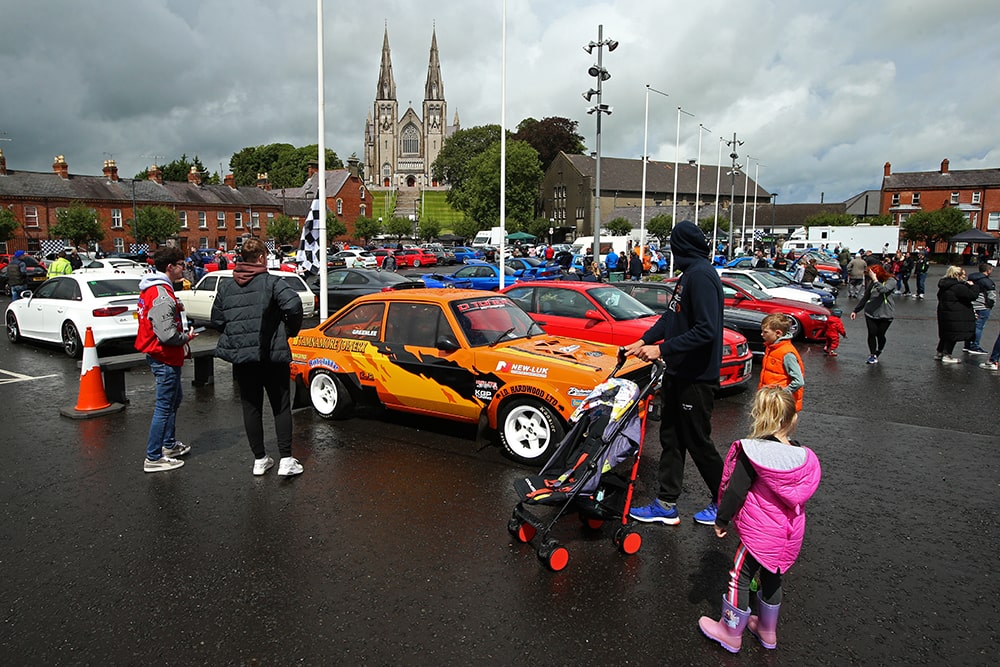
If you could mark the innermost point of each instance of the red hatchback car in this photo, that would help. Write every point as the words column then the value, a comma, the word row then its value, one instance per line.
column 415, row 257
column 602, row 313
column 808, row 320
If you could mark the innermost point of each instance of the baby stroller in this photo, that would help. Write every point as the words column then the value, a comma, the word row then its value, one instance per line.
column 589, row 472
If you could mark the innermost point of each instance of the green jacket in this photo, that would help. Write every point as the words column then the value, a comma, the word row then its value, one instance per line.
column 60, row 267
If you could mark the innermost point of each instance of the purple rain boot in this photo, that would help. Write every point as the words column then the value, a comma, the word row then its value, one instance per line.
column 728, row 630
column 764, row 627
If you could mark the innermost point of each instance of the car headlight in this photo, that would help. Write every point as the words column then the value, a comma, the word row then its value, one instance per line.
column 817, row 317
column 727, row 350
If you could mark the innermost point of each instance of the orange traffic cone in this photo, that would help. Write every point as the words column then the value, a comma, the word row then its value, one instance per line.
column 93, row 401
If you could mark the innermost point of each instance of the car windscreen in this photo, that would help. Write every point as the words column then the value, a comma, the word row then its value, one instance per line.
column 295, row 283
column 489, row 320
column 620, row 305
column 110, row 287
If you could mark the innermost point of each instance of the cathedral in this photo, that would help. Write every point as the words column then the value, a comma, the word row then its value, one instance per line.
column 399, row 150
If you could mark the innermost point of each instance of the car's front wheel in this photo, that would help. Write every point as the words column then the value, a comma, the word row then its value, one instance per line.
column 328, row 396
column 529, row 431
column 13, row 329
column 416, row 263
column 71, row 343
column 795, row 328
column 654, row 267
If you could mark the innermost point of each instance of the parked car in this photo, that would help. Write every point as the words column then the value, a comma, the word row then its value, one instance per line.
column 35, row 273
column 464, row 254
column 353, row 259
column 415, row 257
column 656, row 296
column 477, row 274
column 808, row 320
column 198, row 300
column 538, row 269
column 445, row 256
column 829, row 269
column 114, row 265
column 60, row 310
column 457, row 354
column 345, row 285
column 605, row 314
column 772, row 286
column 826, row 292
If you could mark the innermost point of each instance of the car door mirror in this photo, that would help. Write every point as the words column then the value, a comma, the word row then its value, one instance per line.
column 447, row 344
column 593, row 315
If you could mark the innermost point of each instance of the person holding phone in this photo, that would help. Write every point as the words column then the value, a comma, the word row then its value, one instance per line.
column 879, row 308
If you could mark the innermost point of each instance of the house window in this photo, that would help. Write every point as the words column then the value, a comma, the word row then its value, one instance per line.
column 976, row 197
column 221, row 224
column 255, row 220
column 202, row 219
column 116, row 218
column 895, row 199
column 30, row 216
column 993, row 222
column 184, row 219
column 340, row 207
column 119, row 244
column 238, row 220
column 916, row 199
column 364, row 210
column 954, row 197
column 203, row 242
column 361, row 192
column 270, row 219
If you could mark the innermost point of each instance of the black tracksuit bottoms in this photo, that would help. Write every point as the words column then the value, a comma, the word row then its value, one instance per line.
column 686, row 428
column 254, row 379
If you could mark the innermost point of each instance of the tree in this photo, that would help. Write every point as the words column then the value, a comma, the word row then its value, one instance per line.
column 618, row 226
column 8, row 224
column 429, row 229
column 539, row 228
column 933, row 226
column 178, row 170
column 284, row 230
column 156, row 223
column 660, row 226
column 285, row 165
column 879, row 220
column 479, row 196
column 451, row 164
column 549, row 136
column 366, row 229
column 78, row 224
column 399, row 227
column 465, row 228
column 830, row 220
column 334, row 226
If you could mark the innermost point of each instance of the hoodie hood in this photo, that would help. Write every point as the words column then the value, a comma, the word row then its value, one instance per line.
column 792, row 473
column 155, row 278
column 688, row 244
column 245, row 272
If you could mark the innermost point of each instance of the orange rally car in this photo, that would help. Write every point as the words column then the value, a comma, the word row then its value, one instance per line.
column 457, row 354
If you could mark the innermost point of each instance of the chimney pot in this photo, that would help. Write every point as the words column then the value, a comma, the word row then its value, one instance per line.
column 110, row 170
column 887, row 170
column 156, row 174
column 230, row 180
column 60, row 167
column 194, row 176
column 3, row 164
column 944, row 166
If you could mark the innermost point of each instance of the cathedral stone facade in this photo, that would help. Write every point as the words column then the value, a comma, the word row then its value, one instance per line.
column 399, row 150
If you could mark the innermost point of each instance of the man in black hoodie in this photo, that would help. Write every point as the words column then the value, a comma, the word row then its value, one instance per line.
column 688, row 337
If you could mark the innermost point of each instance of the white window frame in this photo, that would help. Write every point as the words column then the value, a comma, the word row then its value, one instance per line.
column 31, row 216
column 238, row 220
column 364, row 210
column 954, row 197
column 118, row 243
column 116, row 218
column 255, row 220
column 183, row 218
column 340, row 207
column 916, row 199
column 361, row 190
column 977, row 197
column 895, row 199
column 202, row 220
column 220, row 221
column 993, row 221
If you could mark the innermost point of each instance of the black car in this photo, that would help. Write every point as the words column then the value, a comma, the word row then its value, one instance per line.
column 35, row 271
column 345, row 285
column 656, row 295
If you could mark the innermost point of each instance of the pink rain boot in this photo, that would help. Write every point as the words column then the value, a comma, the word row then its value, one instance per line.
column 764, row 627
column 728, row 630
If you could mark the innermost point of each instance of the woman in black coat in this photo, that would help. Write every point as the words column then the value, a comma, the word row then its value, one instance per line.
column 956, row 319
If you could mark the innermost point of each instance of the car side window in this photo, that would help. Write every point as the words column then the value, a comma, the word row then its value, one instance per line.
column 522, row 297
column 355, row 278
column 46, row 290
column 209, row 283
column 417, row 324
column 336, row 277
column 363, row 321
column 67, row 290
column 728, row 292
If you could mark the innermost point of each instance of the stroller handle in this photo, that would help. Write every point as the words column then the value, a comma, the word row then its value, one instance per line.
column 657, row 364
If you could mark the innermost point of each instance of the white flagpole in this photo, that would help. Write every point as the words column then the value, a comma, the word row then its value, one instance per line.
column 503, row 143
column 746, row 190
column 753, row 233
column 718, row 182
column 321, row 174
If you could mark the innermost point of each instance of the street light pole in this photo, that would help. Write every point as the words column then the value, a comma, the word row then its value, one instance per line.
column 677, row 153
column 734, row 144
column 645, row 161
column 718, row 182
column 597, row 71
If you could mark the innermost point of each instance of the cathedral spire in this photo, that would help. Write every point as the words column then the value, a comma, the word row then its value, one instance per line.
column 386, row 82
column 434, row 89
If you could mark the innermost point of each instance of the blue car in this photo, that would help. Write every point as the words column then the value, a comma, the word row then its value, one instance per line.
column 534, row 269
column 464, row 254
column 476, row 274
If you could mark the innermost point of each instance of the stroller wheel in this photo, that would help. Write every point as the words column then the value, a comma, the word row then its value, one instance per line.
column 592, row 523
column 628, row 541
column 555, row 557
column 522, row 531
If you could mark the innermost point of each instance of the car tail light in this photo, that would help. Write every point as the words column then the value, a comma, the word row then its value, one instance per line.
column 388, row 288
column 110, row 311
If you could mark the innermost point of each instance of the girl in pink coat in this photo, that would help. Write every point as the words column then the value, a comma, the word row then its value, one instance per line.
column 766, row 482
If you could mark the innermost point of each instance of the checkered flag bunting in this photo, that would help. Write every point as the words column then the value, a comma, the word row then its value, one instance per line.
column 758, row 235
column 308, row 254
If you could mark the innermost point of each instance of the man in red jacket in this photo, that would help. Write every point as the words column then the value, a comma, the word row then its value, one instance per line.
column 163, row 336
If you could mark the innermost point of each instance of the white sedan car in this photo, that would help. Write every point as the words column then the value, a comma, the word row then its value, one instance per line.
column 114, row 265
column 766, row 283
column 353, row 259
column 198, row 301
column 60, row 310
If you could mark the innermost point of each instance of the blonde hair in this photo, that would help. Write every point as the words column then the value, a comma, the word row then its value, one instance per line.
column 954, row 272
column 776, row 322
column 773, row 411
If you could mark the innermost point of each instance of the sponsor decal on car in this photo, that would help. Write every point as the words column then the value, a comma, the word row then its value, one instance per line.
column 569, row 349
column 325, row 363
column 485, row 390
column 577, row 391
column 365, row 332
column 335, row 344
column 522, row 369
column 526, row 389
column 482, row 304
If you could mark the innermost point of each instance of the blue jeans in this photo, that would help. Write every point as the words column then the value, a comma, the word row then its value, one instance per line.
column 995, row 354
column 168, row 399
column 981, row 317
column 921, row 283
column 15, row 291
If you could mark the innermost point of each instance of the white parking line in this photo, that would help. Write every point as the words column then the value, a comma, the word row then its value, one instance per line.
column 9, row 377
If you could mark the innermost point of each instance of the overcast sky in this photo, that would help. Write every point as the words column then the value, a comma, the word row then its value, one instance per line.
column 822, row 93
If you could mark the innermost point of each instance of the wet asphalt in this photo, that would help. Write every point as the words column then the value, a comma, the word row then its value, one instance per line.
column 392, row 548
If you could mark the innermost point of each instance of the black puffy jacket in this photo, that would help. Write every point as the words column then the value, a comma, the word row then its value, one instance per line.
column 257, row 313
column 956, row 319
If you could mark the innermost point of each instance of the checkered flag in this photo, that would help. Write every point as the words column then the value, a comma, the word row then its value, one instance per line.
column 758, row 235
column 308, row 254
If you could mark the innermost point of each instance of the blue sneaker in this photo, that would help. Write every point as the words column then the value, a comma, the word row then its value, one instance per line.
column 706, row 517
column 655, row 512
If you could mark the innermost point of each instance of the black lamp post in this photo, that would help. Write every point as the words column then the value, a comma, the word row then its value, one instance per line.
column 734, row 144
column 598, row 72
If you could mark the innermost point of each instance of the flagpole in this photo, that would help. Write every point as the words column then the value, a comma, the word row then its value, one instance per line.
column 503, row 144
column 321, row 174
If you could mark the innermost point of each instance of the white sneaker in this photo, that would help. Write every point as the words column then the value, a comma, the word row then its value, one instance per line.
column 990, row 365
column 161, row 464
column 179, row 449
column 948, row 359
column 289, row 466
column 261, row 466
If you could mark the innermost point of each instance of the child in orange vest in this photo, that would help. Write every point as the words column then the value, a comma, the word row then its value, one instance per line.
column 782, row 365
column 834, row 330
